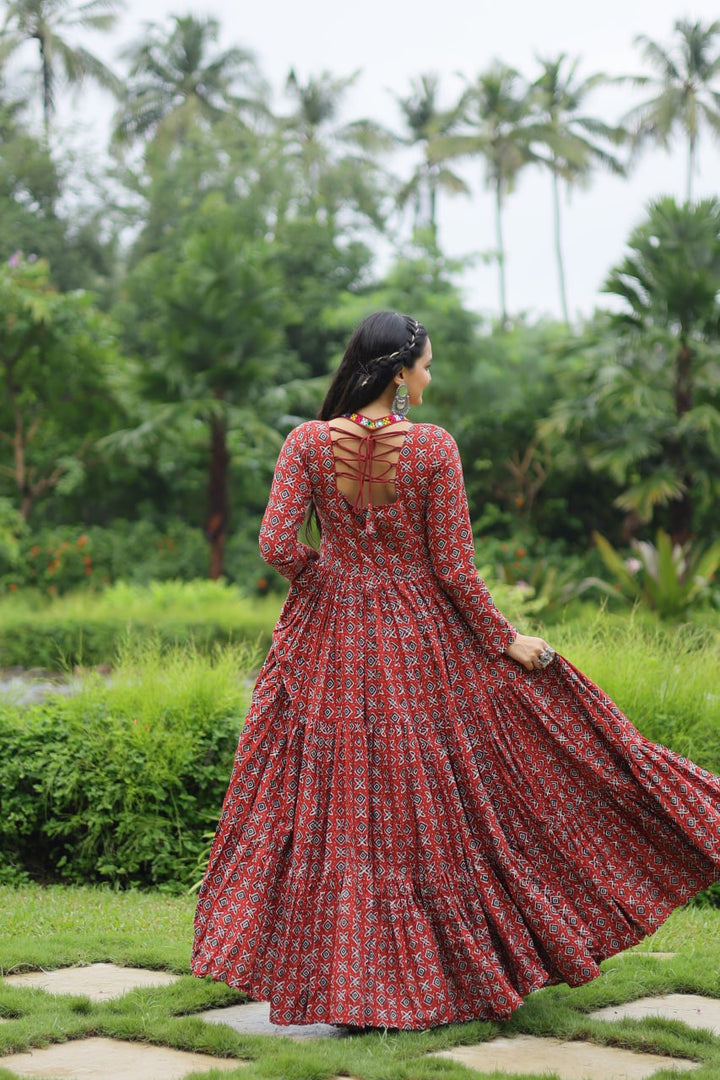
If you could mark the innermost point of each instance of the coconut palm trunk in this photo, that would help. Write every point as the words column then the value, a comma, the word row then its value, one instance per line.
column 46, row 89
column 692, row 147
column 500, row 253
column 432, row 189
column 558, row 247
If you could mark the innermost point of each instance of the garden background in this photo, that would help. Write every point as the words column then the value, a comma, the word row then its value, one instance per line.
column 172, row 303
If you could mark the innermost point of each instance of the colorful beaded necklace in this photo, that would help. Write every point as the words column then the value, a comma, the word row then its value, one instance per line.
column 372, row 425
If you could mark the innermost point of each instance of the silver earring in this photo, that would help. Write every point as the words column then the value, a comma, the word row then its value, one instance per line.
column 401, row 401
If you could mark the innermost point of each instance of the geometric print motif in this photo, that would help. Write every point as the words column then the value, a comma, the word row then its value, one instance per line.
column 417, row 830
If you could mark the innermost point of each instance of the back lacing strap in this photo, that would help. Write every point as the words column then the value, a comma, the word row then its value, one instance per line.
column 369, row 452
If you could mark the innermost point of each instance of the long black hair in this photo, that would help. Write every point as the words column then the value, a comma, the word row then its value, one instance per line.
column 382, row 344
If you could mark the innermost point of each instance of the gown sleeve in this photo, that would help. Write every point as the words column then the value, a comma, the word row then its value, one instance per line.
column 452, row 551
column 289, row 499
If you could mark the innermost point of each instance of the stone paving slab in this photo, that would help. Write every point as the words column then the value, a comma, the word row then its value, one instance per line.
column 567, row 1060
column 112, row 1059
column 253, row 1018
column 693, row 1009
column 99, row 982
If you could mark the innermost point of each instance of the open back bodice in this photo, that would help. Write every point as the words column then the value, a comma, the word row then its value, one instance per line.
column 366, row 461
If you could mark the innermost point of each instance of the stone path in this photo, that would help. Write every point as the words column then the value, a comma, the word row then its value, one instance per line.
column 112, row 1059
column 99, row 982
column 116, row 1059
column 568, row 1060
column 254, row 1019
column 693, row 1010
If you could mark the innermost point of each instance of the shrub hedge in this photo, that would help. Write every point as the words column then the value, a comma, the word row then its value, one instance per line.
column 122, row 782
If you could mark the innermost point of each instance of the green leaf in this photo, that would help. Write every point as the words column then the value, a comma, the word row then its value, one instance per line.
column 615, row 564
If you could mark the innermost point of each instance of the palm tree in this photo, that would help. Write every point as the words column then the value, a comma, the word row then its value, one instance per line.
column 686, row 89
column 338, row 162
column 44, row 22
column 574, row 141
column 642, row 405
column 498, row 111
column 425, row 122
column 176, row 78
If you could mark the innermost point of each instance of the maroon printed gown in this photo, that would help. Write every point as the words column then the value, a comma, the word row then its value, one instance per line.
column 418, row 830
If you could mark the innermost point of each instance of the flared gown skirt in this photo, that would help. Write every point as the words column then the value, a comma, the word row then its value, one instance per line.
column 417, row 832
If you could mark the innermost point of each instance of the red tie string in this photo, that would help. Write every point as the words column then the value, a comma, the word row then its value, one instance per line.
column 369, row 453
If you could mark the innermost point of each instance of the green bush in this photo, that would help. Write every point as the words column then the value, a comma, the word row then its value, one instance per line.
column 122, row 782
column 88, row 627
column 56, row 560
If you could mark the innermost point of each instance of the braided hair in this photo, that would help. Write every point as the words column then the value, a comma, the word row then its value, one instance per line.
column 382, row 344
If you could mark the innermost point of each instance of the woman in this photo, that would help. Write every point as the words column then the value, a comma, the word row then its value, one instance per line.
column 430, row 814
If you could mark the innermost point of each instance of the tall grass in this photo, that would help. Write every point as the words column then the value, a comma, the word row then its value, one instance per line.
column 666, row 679
column 88, row 627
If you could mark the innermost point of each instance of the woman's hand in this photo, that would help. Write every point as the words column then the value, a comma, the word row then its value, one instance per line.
column 533, row 653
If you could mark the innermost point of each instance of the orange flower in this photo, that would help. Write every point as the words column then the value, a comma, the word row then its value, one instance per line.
column 88, row 570
column 520, row 552
column 35, row 550
column 82, row 540
column 12, row 587
column 87, row 559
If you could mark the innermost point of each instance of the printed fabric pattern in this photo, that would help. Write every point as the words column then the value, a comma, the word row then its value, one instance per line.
column 417, row 830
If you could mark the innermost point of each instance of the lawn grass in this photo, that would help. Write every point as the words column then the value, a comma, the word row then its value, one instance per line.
column 59, row 926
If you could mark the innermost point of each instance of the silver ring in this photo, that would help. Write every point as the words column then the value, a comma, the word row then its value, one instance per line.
column 546, row 656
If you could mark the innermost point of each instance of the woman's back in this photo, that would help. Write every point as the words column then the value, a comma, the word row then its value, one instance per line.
column 416, row 549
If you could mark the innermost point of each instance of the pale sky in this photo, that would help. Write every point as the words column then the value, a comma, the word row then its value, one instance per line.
column 391, row 41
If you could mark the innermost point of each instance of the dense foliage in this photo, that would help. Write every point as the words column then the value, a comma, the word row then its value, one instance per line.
column 167, row 319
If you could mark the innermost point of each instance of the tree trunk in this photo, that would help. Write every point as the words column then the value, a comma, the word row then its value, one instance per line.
column 681, row 510
column 27, row 496
column 691, row 167
column 432, row 192
column 216, row 524
column 47, row 90
column 558, row 248
column 500, row 254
